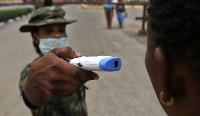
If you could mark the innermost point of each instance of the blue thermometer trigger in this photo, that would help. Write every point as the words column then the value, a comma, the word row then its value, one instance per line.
column 110, row 64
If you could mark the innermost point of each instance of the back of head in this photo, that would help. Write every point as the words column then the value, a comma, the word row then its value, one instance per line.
column 175, row 24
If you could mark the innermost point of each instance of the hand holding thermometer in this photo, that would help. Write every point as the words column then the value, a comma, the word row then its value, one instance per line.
column 97, row 63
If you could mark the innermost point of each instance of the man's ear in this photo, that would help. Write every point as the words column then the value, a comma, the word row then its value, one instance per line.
column 168, row 73
column 35, row 38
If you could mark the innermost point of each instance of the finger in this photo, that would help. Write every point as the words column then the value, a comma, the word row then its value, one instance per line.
column 63, row 80
column 75, row 72
column 55, row 86
column 86, row 75
column 64, row 52
column 67, row 91
column 58, row 66
column 60, row 84
column 96, row 76
column 78, row 54
column 55, row 77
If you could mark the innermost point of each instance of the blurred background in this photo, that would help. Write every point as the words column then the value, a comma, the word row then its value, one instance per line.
column 127, row 92
column 20, row 1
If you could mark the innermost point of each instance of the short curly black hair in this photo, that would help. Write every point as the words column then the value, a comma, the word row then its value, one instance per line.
column 176, row 24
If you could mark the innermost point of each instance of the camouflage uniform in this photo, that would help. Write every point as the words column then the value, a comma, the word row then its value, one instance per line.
column 67, row 106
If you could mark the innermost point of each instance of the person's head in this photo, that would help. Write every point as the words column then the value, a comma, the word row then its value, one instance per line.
column 47, row 24
column 173, row 57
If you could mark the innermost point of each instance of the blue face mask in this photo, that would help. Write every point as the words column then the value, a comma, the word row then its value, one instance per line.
column 48, row 44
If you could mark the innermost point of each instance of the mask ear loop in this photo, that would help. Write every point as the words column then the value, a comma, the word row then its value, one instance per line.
column 36, row 42
column 36, row 38
column 168, row 102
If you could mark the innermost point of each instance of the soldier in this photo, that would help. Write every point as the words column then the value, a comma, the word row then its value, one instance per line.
column 50, row 86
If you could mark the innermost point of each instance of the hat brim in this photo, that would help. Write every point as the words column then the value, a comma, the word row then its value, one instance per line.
column 29, row 27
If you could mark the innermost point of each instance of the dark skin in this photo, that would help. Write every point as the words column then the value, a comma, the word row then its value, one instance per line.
column 175, row 77
column 51, row 76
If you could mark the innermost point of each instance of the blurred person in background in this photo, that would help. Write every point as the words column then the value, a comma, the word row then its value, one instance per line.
column 109, row 9
column 173, row 57
column 121, row 13
column 49, row 85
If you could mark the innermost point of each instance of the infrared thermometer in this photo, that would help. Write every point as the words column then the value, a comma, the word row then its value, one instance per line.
column 97, row 63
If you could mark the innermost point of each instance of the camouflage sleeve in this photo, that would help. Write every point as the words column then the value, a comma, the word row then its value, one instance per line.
column 23, row 75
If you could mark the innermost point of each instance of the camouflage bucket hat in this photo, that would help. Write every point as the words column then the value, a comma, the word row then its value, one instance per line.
column 45, row 16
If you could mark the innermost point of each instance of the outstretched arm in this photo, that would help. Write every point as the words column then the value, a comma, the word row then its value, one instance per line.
column 51, row 76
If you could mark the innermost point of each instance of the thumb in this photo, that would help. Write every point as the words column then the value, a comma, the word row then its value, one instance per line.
column 65, row 52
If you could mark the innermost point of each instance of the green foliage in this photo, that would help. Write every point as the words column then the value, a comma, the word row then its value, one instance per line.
column 38, row 6
column 13, row 13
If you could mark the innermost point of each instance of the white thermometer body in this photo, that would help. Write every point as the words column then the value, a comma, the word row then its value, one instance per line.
column 97, row 63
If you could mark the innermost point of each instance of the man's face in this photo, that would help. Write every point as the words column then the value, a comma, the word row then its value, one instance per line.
column 51, row 31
